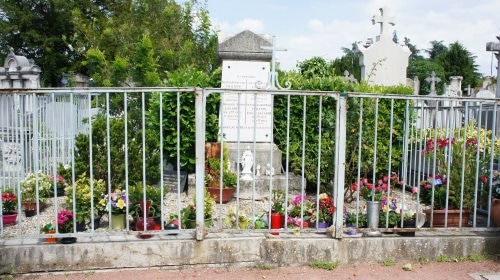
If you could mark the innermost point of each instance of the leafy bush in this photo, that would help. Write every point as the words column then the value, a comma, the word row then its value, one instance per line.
column 327, row 130
column 184, row 77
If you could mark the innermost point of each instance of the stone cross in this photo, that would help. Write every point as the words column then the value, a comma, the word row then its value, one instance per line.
column 433, row 80
column 383, row 19
column 273, row 76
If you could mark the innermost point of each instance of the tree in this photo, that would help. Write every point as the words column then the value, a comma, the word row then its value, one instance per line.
column 437, row 48
column 349, row 61
column 422, row 69
column 315, row 67
column 458, row 61
column 36, row 29
column 415, row 53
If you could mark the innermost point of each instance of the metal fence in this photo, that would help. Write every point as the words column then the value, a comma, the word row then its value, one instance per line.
column 330, row 154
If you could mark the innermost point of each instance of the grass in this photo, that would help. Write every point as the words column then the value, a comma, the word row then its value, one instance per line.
column 388, row 262
column 422, row 260
column 473, row 258
column 5, row 272
column 264, row 266
column 328, row 265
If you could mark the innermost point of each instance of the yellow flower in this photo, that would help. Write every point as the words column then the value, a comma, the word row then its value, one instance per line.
column 385, row 208
column 323, row 196
column 102, row 202
column 120, row 203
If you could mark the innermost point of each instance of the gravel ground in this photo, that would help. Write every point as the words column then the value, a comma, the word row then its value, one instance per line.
column 28, row 226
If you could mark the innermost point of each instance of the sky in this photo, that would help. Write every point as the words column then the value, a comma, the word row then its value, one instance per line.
column 308, row 28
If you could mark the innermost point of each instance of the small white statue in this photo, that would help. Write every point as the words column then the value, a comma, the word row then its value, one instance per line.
column 247, row 164
column 258, row 170
column 269, row 170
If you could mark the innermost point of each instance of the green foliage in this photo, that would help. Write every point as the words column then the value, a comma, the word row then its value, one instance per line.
column 349, row 61
column 144, row 70
column 278, row 202
column 36, row 29
column 362, row 219
column 315, row 67
column 328, row 265
column 455, row 155
column 184, row 77
column 87, row 193
column 328, row 119
column 458, row 61
column 118, row 168
column 394, row 219
column 423, row 69
column 153, row 194
column 388, row 262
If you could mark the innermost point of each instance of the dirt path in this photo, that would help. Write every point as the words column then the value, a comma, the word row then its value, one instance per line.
column 432, row 270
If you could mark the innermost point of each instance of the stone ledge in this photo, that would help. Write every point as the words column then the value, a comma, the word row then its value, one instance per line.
column 232, row 250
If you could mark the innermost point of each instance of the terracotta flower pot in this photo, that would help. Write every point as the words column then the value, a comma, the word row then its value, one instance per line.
column 495, row 212
column 227, row 193
column 50, row 238
column 438, row 218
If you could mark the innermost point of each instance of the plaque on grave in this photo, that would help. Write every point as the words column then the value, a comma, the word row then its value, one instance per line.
column 171, row 180
column 245, row 112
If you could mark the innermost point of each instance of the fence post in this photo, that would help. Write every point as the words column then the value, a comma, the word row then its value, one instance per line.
column 200, row 105
column 340, row 146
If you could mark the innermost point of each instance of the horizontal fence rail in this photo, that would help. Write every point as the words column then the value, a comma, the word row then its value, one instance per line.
column 151, row 161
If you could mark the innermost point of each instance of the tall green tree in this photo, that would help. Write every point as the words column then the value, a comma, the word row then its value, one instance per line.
column 458, row 61
column 349, row 61
column 437, row 48
column 35, row 29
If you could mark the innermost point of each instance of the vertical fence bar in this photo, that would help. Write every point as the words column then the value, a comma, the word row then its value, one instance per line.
column 340, row 162
column 200, row 112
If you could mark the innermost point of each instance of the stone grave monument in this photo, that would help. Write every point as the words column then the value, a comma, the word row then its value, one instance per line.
column 247, row 118
column 18, row 72
column 383, row 62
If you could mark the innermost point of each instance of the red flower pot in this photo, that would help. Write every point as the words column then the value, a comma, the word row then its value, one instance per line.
column 8, row 219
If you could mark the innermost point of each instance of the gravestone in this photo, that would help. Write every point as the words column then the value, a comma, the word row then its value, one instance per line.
column 383, row 62
column 245, row 64
column 18, row 72
column 246, row 59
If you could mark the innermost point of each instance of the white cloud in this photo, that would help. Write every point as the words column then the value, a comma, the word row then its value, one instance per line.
column 255, row 25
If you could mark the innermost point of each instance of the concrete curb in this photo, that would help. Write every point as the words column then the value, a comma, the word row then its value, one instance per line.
column 234, row 250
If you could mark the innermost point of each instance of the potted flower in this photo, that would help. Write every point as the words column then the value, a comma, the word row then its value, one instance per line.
column 35, row 183
column 60, row 184
column 150, row 208
column 9, row 207
column 447, row 190
column 213, row 174
column 84, row 199
column 116, row 203
column 188, row 213
column 295, row 223
column 374, row 193
column 48, row 228
column 65, row 225
column 278, row 206
column 236, row 220
column 323, row 215
column 173, row 223
column 301, row 207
